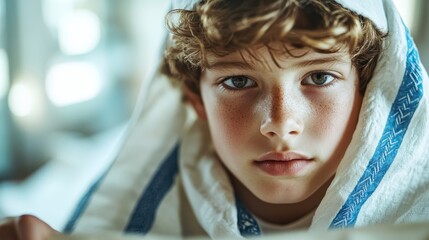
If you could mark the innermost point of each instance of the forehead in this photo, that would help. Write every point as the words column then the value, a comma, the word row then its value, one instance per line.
column 276, row 55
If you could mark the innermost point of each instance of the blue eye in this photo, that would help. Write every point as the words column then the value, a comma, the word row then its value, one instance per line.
column 238, row 82
column 319, row 78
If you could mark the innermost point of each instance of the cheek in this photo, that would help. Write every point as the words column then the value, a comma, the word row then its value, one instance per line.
column 335, row 120
column 329, row 117
column 229, row 121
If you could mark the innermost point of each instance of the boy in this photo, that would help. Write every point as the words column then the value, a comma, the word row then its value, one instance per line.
column 304, row 127
column 281, row 92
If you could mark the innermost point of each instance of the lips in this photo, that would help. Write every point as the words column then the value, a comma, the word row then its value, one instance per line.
column 282, row 163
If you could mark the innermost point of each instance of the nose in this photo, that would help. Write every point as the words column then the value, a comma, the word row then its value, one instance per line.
column 282, row 119
column 282, row 130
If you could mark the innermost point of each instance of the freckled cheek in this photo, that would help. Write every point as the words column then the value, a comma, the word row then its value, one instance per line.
column 334, row 121
column 326, row 118
column 230, row 122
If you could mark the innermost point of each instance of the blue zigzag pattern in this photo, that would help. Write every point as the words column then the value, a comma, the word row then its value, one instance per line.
column 401, row 113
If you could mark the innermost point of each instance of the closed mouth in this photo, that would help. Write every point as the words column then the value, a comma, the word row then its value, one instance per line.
column 282, row 163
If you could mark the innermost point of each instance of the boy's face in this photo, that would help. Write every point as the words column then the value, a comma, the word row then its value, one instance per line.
column 281, row 132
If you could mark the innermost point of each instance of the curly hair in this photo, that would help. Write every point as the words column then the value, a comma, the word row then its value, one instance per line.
column 221, row 27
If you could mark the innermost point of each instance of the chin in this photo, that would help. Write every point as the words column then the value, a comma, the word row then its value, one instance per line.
column 283, row 199
column 282, row 195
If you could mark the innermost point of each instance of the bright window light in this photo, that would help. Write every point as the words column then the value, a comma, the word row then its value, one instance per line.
column 54, row 10
column 72, row 82
column 79, row 32
column 4, row 73
column 22, row 99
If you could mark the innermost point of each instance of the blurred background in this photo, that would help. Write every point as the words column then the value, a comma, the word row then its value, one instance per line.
column 70, row 73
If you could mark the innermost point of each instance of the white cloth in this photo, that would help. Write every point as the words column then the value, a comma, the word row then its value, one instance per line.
column 166, row 179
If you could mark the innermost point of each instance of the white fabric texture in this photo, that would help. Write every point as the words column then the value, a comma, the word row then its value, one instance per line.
column 167, row 180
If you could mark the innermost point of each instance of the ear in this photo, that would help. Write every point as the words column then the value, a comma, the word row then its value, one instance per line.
column 196, row 101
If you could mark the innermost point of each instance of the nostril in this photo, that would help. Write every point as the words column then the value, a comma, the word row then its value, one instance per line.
column 293, row 133
column 271, row 134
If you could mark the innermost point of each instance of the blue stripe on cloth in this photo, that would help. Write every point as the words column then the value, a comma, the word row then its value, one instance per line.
column 403, row 108
column 83, row 203
column 144, row 212
column 246, row 223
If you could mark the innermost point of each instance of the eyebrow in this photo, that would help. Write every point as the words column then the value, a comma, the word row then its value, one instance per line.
column 222, row 65
column 230, row 65
column 319, row 61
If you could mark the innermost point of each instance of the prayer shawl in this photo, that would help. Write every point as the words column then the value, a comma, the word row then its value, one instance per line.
column 167, row 180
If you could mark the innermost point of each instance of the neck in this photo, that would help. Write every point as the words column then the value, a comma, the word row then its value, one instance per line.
column 279, row 213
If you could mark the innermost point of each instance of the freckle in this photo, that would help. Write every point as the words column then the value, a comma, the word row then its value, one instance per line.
column 325, row 111
column 235, row 116
column 276, row 105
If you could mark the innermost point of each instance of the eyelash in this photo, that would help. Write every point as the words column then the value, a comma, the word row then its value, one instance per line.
column 225, row 86
column 323, row 85
column 309, row 75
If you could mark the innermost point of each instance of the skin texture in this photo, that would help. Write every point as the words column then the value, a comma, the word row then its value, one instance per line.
column 265, row 108
column 25, row 227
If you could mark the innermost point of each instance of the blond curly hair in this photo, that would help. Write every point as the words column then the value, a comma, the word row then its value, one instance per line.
column 221, row 27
